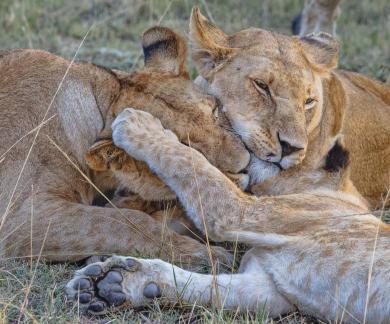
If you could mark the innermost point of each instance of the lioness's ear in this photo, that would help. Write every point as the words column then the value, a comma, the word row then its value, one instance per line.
column 164, row 50
column 210, row 44
column 321, row 50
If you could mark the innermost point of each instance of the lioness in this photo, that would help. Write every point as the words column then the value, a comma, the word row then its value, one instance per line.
column 313, row 249
column 276, row 90
column 45, row 203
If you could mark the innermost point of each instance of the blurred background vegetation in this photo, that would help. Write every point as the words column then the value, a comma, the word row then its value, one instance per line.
column 113, row 41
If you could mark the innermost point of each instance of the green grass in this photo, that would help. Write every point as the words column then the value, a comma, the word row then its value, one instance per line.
column 59, row 25
column 47, row 302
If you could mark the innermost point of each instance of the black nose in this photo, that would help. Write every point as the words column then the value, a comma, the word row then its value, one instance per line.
column 288, row 149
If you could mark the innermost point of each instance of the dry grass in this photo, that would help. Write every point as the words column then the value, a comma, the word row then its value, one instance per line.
column 33, row 292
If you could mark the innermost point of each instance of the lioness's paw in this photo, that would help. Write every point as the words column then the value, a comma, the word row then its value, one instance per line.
column 116, row 282
column 135, row 130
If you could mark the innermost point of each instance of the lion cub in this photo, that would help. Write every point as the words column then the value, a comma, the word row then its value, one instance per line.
column 75, row 103
column 178, row 105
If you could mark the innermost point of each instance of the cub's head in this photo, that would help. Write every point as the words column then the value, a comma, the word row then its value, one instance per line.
column 163, row 88
column 269, row 84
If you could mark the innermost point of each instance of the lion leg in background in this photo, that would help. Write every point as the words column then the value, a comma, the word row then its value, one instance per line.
column 76, row 231
column 317, row 16
column 124, row 279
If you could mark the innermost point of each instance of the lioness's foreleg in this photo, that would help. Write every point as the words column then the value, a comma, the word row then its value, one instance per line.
column 209, row 197
column 122, row 280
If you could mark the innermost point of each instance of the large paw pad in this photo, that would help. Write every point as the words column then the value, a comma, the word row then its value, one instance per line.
column 99, row 286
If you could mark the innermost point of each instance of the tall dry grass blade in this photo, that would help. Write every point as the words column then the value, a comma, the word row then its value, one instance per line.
column 344, row 308
column 2, row 157
column 213, row 267
column 24, row 304
column 134, row 65
column 31, row 316
column 208, row 11
column 141, row 231
column 370, row 269
column 31, row 225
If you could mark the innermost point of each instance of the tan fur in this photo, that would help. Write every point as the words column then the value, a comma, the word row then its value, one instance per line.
column 295, row 70
column 312, row 248
column 51, row 195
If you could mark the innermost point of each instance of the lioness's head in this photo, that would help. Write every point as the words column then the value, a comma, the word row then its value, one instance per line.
column 269, row 84
column 164, row 89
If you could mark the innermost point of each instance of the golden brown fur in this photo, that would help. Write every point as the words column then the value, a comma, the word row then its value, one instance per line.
column 51, row 195
column 312, row 246
column 278, row 92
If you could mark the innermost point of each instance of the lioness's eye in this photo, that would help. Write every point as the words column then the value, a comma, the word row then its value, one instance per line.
column 261, row 86
column 310, row 103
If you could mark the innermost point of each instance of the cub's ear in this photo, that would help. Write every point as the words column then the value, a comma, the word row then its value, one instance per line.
column 164, row 50
column 103, row 155
column 210, row 44
column 321, row 50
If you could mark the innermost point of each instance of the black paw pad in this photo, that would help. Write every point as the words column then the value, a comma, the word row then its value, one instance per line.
column 113, row 277
column 152, row 290
column 93, row 270
column 85, row 298
column 97, row 307
column 131, row 263
column 115, row 298
column 82, row 284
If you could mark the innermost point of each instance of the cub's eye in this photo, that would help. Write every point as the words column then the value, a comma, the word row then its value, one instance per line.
column 310, row 103
column 262, row 87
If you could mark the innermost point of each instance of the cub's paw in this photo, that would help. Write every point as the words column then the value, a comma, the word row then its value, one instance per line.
column 135, row 130
column 116, row 282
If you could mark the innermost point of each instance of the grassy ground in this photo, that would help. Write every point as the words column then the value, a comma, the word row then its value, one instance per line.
column 59, row 26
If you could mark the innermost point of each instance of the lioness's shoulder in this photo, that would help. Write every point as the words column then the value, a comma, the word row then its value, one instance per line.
column 366, row 84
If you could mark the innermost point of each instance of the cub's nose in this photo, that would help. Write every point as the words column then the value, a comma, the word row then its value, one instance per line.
column 288, row 149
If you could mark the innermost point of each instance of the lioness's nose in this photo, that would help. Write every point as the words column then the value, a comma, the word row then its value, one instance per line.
column 288, row 149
